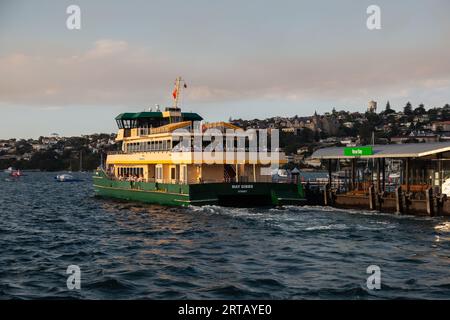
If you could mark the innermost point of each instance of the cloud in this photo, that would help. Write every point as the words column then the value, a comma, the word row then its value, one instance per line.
column 105, row 48
column 113, row 72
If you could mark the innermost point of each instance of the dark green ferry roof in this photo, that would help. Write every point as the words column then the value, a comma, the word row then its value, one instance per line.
column 138, row 115
column 149, row 114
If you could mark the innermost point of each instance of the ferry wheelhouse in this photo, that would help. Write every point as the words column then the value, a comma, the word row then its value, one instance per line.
column 154, row 166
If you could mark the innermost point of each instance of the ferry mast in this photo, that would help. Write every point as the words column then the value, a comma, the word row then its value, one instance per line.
column 177, row 91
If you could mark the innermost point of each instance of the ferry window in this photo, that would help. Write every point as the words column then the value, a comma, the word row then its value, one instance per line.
column 158, row 173
column 164, row 145
column 173, row 173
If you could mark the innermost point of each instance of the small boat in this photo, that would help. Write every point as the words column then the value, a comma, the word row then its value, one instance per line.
column 9, row 170
column 66, row 178
column 282, row 173
column 16, row 173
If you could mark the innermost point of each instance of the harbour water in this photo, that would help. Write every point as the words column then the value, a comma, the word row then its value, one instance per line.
column 138, row 251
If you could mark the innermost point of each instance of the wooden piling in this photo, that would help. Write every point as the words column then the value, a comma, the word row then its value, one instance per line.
column 372, row 204
column 407, row 168
column 353, row 175
column 329, row 173
column 398, row 200
column 430, row 202
column 326, row 194
column 378, row 175
column 439, row 157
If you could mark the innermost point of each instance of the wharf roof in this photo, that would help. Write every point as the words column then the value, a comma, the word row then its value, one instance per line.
column 407, row 150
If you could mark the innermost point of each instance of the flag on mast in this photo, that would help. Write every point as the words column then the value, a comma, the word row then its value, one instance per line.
column 176, row 90
column 175, row 93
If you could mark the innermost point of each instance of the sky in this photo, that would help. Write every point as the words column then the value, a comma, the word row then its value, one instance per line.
column 240, row 59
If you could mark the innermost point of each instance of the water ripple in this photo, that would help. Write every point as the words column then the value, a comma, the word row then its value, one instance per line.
column 137, row 251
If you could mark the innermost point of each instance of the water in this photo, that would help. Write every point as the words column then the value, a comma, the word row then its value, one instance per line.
column 135, row 251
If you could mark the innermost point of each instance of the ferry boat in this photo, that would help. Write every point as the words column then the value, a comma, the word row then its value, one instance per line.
column 154, row 167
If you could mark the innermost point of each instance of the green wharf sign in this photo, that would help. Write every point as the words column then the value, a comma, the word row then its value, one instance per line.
column 358, row 151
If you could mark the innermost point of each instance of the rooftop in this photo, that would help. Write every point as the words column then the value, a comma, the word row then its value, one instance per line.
column 408, row 150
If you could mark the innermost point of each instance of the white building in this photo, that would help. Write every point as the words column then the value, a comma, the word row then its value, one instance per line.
column 372, row 107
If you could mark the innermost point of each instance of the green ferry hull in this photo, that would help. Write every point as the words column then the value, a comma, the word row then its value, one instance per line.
column 226, row 194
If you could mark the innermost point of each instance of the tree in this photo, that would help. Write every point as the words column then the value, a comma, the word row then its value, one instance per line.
column 365, row 133
column 420, row 110
column 408, row 109
column 388, row 109
column 388, row 106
